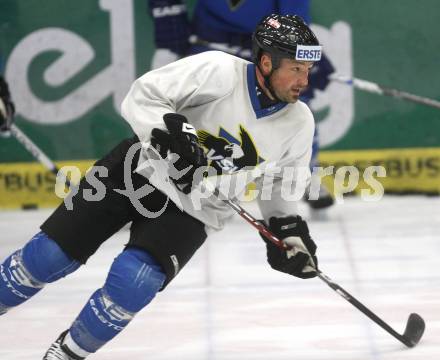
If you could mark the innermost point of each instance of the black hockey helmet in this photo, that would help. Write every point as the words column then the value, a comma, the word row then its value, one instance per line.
column 284, row 36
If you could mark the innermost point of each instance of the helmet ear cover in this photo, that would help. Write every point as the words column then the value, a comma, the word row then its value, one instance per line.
column 275, row 60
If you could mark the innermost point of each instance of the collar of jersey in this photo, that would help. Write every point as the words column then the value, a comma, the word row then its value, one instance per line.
column 259, row 112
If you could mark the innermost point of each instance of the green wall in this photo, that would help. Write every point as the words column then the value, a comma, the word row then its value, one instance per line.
column 395, row 43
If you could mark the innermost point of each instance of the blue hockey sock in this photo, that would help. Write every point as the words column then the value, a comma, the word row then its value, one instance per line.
column 133, row 281
column 27, row 270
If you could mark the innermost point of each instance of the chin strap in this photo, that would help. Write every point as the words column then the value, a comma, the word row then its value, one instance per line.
column 267, row 83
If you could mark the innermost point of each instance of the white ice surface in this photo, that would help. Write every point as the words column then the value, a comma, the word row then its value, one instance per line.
column 229, row 304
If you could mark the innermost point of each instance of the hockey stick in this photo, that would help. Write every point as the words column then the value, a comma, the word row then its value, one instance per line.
column 415, row 325
column 372, row 87
column 360, row 84
column 36, row 152
column 233, row 50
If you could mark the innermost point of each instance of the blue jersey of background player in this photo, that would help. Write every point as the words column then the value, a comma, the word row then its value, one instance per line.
column 227, row 25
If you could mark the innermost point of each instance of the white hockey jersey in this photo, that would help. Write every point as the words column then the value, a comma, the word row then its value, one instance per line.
column 217, row 94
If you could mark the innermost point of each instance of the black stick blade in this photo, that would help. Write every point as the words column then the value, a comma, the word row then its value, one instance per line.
column 415, row 328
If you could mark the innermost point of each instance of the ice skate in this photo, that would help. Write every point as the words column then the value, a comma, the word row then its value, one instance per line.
column 323, row 201
column 58, row 351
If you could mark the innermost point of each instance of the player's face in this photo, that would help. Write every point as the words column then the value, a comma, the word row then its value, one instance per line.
column 290, row 79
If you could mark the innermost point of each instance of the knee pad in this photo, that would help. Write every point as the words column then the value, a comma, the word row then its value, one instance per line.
column 134, row 279
column 46, row 261
column 26, row 271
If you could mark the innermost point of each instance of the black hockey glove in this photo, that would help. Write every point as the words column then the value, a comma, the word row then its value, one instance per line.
column 7, row 108
column 181, row 139
column 300, row 260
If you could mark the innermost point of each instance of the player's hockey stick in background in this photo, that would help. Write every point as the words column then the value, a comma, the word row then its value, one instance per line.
column 415, row 325
column 372, row 87
column 233, row 50
column 360, row 84
column 36, row 152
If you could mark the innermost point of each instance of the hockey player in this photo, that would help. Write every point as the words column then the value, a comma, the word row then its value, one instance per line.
column 227, row 25
column 248, row 120
column 7, row 108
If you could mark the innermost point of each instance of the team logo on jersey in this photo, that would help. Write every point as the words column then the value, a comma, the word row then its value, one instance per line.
column 234, row 4
column 227, row 154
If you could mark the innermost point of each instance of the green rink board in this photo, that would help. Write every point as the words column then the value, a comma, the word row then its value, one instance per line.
column 74, row 115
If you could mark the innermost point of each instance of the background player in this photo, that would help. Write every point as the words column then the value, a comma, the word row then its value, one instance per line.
column 7, row 108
